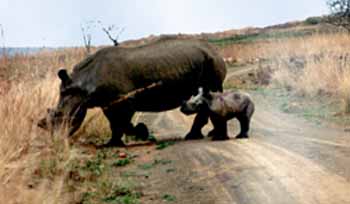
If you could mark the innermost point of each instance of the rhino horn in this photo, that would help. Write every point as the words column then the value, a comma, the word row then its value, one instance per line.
column 200, row 91
column 63, row 75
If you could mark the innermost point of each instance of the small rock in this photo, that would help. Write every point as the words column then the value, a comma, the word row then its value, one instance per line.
column 122, row 155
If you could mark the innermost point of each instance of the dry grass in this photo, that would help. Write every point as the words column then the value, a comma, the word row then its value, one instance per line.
column 23, row 145
column 317, row 64
column 33, row 163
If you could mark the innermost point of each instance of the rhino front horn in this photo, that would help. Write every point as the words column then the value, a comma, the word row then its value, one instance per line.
column 63, row 75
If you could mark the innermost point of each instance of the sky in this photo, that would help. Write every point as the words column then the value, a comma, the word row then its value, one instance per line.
column 57, row 23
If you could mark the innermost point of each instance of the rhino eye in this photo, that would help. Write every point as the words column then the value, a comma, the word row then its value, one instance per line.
column 71, row 91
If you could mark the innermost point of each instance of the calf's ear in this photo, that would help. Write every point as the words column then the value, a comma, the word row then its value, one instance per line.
column 63, row 75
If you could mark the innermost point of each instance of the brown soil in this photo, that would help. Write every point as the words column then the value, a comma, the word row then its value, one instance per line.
column 287, row 160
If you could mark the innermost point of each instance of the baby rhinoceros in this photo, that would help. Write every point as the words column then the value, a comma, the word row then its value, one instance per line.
column 225, row 106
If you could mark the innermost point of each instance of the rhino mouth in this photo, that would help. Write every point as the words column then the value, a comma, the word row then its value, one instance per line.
column 76, row 119
column 56, row 120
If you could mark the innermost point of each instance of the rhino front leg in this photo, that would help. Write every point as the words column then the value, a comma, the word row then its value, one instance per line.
column 200, row 120
column 119, row 121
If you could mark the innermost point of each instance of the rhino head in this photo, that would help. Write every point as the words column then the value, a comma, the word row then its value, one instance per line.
column 71, row 108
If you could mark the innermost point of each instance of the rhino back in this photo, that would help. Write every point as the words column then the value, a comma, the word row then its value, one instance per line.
column 181, row 65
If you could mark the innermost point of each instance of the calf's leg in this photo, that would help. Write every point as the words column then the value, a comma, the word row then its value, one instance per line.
column 220, row 128
column 245, row 123
column 244, row 120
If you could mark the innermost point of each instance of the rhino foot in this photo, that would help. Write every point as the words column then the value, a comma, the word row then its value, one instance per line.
column 212, row 133
column 220, row 138
column 114, row 143
column 194, row 136
column 242, row 136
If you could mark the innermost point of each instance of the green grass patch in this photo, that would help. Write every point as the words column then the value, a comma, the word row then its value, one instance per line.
column 251, row 38
column 110, row 192
column 98, row 181
column 169, row 198
column 164, row 144
column 122, row 162
column 156, row 162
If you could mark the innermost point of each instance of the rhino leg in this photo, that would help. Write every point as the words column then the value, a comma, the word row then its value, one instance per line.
column 200, row 120
column 220, row 128
column 218, row 88
column 119, row 120
column 211, row 133
column 244, row 119
column 140, row 131
column 244, row 122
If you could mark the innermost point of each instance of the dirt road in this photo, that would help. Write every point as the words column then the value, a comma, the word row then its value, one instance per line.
column 287, row 160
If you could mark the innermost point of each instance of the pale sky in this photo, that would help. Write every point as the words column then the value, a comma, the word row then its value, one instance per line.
column 57, row 22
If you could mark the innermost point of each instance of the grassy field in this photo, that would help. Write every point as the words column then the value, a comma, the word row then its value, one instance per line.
column 309, row 65
column 39, row 167
column 262, row 36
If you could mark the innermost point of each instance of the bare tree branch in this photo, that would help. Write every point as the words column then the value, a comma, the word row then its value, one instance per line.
column 86, row 38
column 2, row 34
column 111, row 29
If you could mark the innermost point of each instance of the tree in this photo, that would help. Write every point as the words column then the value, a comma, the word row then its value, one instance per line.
column 111, row 31
column 2, row 35
column 86, row 37
column 340, row 13
column 89, row 27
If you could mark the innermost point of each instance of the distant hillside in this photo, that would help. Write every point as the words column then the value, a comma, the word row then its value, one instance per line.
column 309, row 26
column 22, row 50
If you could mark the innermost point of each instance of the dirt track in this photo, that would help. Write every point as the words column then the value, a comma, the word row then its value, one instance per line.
column 287, row 160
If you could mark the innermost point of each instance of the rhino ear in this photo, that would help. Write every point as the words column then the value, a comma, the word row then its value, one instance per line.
column 63, row 75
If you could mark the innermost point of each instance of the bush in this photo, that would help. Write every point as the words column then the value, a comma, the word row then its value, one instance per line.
column 313, row 20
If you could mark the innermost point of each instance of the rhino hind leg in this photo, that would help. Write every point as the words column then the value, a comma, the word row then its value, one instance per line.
column 200, row 120
column 211, row 133
column 120, row 122
column 141, row 131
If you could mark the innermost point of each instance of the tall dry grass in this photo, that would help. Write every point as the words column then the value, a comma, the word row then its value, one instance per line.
column 34, row 164
column 23, row 146
column 317, row 64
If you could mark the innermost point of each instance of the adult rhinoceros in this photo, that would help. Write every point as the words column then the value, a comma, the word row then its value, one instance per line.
column 179, row 67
